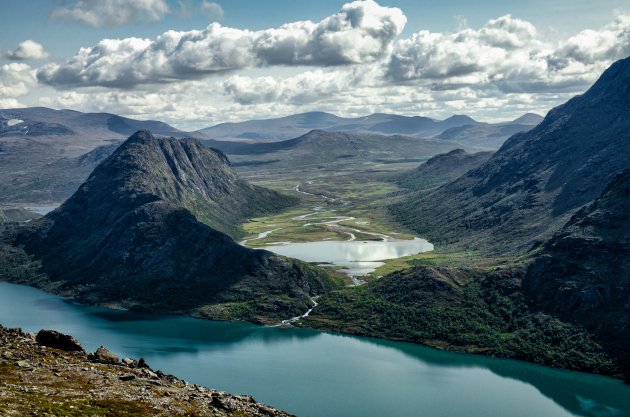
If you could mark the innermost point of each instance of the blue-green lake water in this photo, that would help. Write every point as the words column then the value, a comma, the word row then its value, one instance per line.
column 310, row 373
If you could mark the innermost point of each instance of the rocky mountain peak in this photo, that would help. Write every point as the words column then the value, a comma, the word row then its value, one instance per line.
column 182, row 172
column 152, row 227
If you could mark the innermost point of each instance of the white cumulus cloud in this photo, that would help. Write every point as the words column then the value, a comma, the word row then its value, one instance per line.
column 591, row 47
column 16, row 80
column 302, row 89
column 507, row 53
column 467, row 56
column 99, row 13
column 360, row 32
column 27, row 49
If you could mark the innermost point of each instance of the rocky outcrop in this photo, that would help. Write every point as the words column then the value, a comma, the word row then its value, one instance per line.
column 41, row 380
column 102, row 355
column 54, row 339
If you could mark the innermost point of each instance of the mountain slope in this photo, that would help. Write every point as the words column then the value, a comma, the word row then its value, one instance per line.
column 52, row 181
column 16, row 214
column 484, row 136
column 441, row 169
column 185, row 173
column 583, row 273
column 145, row 230
column 537, row 180
column 461, row 309
column 531, row 119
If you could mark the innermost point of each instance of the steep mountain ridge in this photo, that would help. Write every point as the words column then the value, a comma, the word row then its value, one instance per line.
column 534, row 183
column 144, row 231
column 185, row 173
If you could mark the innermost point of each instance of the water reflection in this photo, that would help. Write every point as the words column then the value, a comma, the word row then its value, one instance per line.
column 581, row 394
column 357, row 255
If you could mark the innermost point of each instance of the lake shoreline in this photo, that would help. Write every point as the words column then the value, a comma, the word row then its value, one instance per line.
column 285, row 367
column 312, row 325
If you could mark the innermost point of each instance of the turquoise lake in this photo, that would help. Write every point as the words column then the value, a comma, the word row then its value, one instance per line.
column 309, row 373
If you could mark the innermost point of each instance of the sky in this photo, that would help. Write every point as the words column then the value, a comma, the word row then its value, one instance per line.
column 196, row 63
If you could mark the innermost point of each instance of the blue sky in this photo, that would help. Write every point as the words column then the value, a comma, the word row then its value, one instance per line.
column 505, row 58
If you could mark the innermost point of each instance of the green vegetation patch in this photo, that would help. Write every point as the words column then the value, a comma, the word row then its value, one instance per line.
column 463, row 309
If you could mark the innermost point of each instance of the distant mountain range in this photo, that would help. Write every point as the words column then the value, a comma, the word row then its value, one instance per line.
column 151, row 228
column 538, row 179
column 489, row 136
column 45, row 154
column 484, row 135
column 72, row 131
column 322, row 148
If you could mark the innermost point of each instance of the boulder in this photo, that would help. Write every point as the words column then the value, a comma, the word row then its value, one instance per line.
column 129, row 362
column 103, row 355
column 58, row 340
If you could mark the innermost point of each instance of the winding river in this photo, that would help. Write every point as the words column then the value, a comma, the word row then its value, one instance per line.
column 356, row 257
column 309, row 373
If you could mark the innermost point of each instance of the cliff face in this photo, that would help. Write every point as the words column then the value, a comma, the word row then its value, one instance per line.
column 146, row 231
column 583, row 272
column 533, row 184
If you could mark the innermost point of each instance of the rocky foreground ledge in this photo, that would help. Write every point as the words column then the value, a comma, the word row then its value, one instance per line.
column 50, row 374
